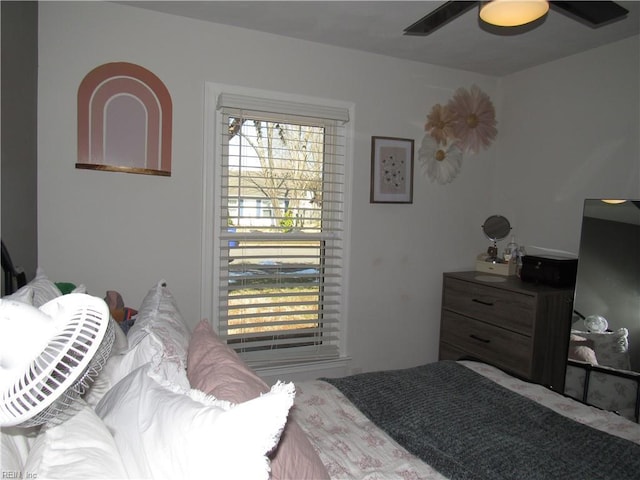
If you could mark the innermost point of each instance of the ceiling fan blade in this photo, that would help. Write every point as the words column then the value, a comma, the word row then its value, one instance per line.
column 594, row 14
column 441, row 16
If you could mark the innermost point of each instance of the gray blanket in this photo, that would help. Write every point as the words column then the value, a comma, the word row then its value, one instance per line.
column 468, row 427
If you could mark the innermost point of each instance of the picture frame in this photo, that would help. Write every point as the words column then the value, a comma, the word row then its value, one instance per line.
column 391, row 170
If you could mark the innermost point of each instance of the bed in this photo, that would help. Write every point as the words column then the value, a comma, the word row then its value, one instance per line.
column 176, row 403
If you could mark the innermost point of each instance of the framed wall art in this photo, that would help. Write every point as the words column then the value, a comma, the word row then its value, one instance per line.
column 391, row 170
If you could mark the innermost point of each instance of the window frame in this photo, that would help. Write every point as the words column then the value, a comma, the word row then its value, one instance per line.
column 212, row 238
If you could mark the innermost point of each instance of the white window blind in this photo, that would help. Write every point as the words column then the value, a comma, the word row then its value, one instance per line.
column 280, row 228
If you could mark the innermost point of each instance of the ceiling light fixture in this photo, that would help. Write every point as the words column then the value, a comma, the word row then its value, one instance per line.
column 512, row 13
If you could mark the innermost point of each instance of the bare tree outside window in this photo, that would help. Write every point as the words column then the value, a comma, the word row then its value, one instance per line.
column 282, row 163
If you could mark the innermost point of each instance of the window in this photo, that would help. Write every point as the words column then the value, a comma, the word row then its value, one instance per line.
column 278, row 258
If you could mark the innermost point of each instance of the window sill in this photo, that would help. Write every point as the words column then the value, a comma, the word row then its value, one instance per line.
column 298, row 372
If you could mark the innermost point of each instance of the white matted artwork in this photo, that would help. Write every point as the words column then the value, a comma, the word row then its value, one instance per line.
column 391, row 170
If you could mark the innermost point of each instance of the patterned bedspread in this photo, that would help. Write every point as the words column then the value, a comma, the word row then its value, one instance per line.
column 353, row 447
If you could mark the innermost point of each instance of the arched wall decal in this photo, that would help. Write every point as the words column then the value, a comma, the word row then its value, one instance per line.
column 124, row 120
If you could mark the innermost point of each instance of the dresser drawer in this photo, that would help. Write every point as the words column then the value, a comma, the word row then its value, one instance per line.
column 507, row 309
column 497, row 346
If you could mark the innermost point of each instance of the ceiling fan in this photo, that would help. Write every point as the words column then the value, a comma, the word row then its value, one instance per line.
column 594, row 14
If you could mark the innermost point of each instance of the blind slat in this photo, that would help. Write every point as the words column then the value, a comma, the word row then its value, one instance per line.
column 253, row 343
column 228, row 289
column 284, row 357
column 328, row 313
column 280, row 228
column 327, row 293
column 296, row 329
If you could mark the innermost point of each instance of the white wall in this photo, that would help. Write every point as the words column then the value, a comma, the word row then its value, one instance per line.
column 19, row 137
column 570, row 130
column 125, row 232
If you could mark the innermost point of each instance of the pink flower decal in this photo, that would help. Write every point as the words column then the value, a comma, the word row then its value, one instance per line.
column 440, row 123
column 465, row 124
column 475, row 119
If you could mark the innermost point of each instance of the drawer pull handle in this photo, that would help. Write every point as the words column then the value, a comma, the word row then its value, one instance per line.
column 483, row 302
column 480, row 339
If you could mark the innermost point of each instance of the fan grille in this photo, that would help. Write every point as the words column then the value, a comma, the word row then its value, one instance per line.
column 64, row 369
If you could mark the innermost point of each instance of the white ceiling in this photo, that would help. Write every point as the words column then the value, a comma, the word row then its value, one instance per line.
column 377, row 27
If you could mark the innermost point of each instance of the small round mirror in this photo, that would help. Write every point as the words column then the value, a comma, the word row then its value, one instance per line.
column 496, row 227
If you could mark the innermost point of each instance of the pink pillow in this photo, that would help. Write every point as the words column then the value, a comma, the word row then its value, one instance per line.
column 216, row 369
column 581, row 349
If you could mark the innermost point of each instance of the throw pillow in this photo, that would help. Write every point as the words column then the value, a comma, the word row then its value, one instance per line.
column 216, row 369
column 611, row 348
column 79, row 447
column 16, row 442
column 581, row 349
column 163, row 431
column 24, row 295
column 38, row 291
column 119, row 365
column 159, row 316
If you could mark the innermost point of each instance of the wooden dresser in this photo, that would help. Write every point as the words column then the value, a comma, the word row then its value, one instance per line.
column 522, row 328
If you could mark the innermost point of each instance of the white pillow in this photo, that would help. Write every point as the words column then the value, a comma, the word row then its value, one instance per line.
column 23, row 294
column 121, row 343
column 43, row 288
column 611, row 348
column 121, row 364
column 115, row 367
column 38, row 291
column 82, row 288
column 159, row 316
column 79, row 448
column 163, row 431
column 159, row 335
column 16, row 443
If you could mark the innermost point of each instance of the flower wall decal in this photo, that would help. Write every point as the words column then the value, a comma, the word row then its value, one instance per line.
column 466, row 124
column 475, row 119
column 440, row 123
column 440, row 161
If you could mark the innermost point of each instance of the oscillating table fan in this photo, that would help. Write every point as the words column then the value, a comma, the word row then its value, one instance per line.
column 48, row 356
